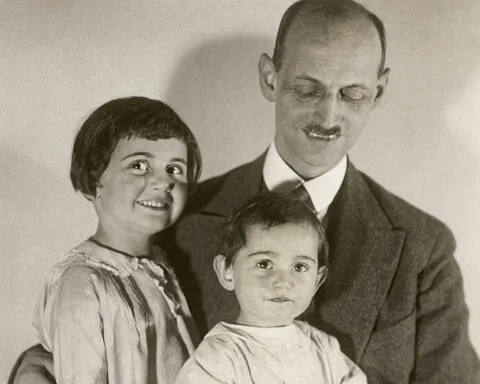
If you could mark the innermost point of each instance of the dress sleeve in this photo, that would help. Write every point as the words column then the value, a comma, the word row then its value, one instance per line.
column 213, row 362
column 444, row 351
column 70, row 323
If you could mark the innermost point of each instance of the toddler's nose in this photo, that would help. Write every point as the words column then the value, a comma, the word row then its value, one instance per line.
column 283, row 279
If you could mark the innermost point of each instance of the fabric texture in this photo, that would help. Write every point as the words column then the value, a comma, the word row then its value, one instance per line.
column 109, row 318
column 394, row 295
column 297, row 353
column 280, row 177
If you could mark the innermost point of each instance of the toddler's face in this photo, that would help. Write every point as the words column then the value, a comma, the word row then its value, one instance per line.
column 144, row 187
column 276, row 274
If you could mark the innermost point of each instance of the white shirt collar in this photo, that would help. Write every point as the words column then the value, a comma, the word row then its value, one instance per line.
column 279, row 177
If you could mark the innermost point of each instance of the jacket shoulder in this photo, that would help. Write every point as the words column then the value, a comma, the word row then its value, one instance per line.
column 203, row 193
column 403, row 214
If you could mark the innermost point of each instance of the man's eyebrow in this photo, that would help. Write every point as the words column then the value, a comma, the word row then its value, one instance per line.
column 308, row 78
column 361, row 86
column 316, row 81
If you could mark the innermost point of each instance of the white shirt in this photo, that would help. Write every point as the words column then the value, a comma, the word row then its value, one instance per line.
column 279, row 177
column 296, row 353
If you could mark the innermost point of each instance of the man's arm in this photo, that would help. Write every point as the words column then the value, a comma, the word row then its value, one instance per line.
column 444, row 351
column 34, row 366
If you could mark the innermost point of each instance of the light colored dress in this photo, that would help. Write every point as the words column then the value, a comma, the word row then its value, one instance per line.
column 297, row 353
column 110, row 318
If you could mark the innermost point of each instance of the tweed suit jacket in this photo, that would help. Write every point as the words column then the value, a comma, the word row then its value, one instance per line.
column 394, row 295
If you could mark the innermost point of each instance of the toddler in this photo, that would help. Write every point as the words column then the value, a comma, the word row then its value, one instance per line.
column 274, row 255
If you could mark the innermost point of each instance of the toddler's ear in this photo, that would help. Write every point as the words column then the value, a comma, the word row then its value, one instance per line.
column 224, row 272
column 321, row 277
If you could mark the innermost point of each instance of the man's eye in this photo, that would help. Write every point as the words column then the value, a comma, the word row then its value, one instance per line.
column 141, row 166
column 352, row 94
column 306, row 93
column 300, row 267
column 264, row 264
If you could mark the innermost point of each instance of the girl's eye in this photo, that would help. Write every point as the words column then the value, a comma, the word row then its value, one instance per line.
column 175, row 169
column 139, row 166
column 300, row 267
column 264, row 264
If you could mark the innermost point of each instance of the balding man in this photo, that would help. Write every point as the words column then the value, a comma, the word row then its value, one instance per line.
column 394, row 296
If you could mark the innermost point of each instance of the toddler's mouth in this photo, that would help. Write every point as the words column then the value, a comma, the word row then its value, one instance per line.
column 281, row 299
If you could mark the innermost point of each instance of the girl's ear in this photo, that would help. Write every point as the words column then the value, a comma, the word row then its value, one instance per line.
column 321, row 277
column 89, row 197
column 224, row 272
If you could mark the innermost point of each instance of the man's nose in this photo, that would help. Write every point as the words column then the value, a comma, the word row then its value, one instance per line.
column 327, row 113
column 282, row 279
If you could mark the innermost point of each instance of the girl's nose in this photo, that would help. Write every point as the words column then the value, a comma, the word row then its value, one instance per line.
column 162, row 183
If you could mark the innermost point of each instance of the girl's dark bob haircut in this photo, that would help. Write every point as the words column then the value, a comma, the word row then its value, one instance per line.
column 125, row 118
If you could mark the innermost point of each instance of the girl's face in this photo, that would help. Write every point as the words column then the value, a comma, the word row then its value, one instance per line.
column 144, row 188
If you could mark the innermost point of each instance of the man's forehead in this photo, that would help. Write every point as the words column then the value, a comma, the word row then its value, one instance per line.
column 317, row 26
column 345, row 40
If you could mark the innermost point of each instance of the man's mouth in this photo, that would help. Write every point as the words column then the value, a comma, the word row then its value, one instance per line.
column 320, row 133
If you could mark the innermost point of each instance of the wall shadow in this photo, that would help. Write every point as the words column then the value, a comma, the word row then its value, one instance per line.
column 215, row 89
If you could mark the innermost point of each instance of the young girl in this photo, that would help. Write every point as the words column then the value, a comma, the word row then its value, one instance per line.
column 112, row 310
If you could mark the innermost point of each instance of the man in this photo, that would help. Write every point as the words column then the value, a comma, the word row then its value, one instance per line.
column 394, row 296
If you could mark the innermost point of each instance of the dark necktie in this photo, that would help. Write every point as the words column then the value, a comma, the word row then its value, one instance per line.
column 301, row 194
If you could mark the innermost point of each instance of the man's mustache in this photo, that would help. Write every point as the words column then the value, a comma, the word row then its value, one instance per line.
column 321, row 130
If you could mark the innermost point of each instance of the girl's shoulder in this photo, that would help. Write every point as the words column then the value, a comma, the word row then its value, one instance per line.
column 80, row 264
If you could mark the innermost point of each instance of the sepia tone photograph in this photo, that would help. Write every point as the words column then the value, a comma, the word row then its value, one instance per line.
column 270, row 191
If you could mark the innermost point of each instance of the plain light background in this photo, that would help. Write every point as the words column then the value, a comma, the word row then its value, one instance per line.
column 61, row 59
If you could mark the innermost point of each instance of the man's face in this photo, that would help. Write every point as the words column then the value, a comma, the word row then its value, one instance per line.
column 275, row 274
column 324, row 93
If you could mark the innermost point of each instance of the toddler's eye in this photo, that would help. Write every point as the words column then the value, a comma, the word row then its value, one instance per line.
column 139, row 166
column 300, row 267
column 264, row 264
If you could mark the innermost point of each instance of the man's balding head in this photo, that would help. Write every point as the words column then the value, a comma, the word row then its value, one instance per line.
column 312, row 18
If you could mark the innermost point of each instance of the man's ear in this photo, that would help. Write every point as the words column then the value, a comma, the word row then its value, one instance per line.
column 382, row 85
column 224, row 272
column 267, row 76
column 321, row 277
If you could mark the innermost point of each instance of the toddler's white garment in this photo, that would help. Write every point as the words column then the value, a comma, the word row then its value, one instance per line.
column 297, row 353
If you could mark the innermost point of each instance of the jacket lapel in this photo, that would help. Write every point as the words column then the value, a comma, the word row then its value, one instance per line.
column 364, row 253
column 236, row 188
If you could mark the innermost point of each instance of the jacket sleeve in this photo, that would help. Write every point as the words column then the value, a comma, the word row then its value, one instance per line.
column 444, row 353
